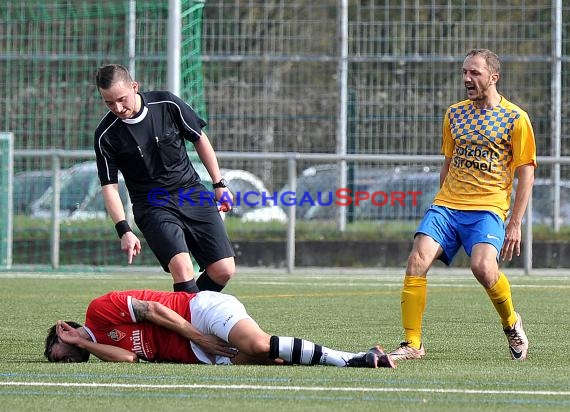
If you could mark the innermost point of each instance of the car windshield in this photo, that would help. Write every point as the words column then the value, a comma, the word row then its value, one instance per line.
column 27, row 188
column 80, row 192
column 392, row 186
column 77, row 185
column 543, row 201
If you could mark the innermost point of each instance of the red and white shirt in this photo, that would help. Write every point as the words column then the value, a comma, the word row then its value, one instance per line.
column 110, row 320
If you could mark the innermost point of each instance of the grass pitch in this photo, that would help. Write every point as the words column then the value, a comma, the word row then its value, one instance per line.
column 467, row 367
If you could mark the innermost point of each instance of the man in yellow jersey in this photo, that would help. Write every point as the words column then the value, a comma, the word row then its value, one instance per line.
column 486, row 140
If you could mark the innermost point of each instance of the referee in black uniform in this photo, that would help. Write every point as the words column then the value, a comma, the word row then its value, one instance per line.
column 143, row 136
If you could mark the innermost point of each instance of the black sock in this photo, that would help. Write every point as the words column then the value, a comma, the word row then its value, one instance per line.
column 205, row 282
column 295, row 351
column 303, row 352
column 188, row 286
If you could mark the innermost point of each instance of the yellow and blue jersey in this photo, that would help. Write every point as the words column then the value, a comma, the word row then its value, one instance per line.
column 485, row 147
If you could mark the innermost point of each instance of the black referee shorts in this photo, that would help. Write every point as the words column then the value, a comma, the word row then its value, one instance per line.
column 187, row 224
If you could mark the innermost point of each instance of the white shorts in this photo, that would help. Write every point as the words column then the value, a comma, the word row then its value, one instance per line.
column 215, row 313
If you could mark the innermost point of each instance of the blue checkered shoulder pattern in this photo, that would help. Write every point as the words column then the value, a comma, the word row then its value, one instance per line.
column 483, row 140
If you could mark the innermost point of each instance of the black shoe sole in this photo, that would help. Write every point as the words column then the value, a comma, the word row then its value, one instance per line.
column 377, row 359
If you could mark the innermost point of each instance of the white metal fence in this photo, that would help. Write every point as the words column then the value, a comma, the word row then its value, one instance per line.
column 291, row 160
column 288, row 84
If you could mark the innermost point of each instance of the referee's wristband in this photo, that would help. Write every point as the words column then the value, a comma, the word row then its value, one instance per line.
column 122, row 227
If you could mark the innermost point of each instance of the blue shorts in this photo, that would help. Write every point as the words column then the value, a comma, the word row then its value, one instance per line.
column 453, row 228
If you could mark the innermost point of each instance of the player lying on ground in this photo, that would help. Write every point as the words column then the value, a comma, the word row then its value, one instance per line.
column 204, row 327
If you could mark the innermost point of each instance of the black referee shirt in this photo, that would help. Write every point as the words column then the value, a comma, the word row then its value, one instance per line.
column 149, row 149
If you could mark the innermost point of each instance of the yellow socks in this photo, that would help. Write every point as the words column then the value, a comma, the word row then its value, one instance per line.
column 500, row 294
column 413, row 304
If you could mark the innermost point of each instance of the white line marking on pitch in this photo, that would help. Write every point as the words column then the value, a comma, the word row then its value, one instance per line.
column 287, row 388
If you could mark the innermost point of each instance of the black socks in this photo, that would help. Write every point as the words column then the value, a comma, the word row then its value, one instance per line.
column 205, row 282
column 188, row 286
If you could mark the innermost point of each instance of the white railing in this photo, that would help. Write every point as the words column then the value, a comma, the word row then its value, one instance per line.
column 291, row 158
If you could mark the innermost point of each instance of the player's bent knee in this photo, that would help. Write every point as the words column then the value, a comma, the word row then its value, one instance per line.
column 222, row 271
column 221, row 278
column 486, row 275
column 181, row 264
column 484, row 269
column 259, row 347
column 256, row 347
column 417, row 264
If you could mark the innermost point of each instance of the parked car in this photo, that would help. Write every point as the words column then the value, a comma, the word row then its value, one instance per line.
column 405, row 179
column 543, row 201
column 80, row 195
column 390, row 185
column 249, row 204
column 80, row 192
column 28, row 186
column 407, row 196
column 322, row 180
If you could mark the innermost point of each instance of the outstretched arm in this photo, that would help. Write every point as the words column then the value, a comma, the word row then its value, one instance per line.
column 161, row 315
column 130, row 243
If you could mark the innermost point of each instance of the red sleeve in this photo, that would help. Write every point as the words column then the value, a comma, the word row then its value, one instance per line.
column 110, row 309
